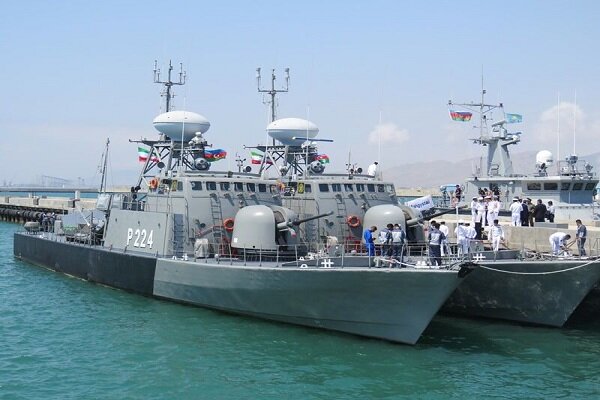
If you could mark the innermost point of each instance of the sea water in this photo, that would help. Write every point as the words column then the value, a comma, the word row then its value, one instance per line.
column 64, row 338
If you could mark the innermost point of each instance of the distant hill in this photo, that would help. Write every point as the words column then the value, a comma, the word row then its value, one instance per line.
column 430, row 174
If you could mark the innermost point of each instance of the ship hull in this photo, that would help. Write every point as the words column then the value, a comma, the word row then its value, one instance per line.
column 534, row 292
column 390, row 304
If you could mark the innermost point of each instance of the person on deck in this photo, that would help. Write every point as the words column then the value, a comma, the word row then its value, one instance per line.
column 497, row 235
column 551, row 210
column 372, row 170
column 581, row 236
column 370, row 240
column 539, row 211
column 515, row 212
column 398, row 239
column 435, row 239
column 558, row 242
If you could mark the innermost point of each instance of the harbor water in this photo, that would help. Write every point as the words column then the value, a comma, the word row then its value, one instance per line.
column 63, row 338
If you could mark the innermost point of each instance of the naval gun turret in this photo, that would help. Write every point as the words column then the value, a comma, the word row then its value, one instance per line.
column 263, row 229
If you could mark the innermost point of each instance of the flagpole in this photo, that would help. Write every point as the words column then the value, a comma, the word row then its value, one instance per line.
column 574, row 123
column 558, row 132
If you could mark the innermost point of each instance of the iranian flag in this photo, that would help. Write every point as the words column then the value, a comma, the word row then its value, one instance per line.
column 143, row 155
column 258, row 157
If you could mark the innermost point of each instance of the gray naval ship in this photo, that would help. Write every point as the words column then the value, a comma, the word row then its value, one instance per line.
column 236, row 242
column 526, row 286
column 570, row 183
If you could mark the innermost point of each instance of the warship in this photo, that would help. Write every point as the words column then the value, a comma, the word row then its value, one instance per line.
column 570, row 183
column 526, row 286
column 242, row 242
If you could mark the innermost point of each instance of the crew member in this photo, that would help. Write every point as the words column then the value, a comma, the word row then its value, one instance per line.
column 551, row 210
column 515, row 212
column 558, row 241
column 372, row 170
column 473, row 210
column 581, row 236
column 497, row 235
column 370, row 241
column 445, row 247
column 398, row 239
column 479, row 218
column 539, row 211
column 435, row 238
column 461, row 238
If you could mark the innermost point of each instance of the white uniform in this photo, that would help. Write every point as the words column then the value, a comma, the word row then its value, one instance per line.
column 480, row 212
column 515, row 212
column 461, row 239
column 471, row 234
column 497, row 234
column 445, row 248
column 372, row 170
column 493, row 210
column 473, row 210
column 556, row 240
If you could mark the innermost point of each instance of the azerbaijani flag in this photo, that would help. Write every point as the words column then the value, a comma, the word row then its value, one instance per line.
column 514, row 118
column 214, row 155
column 258, row 157
column 322, row 158
column 463, row 116
column 143, row 154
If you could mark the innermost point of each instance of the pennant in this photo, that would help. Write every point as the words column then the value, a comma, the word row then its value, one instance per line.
column 463, row 116
column 143, row 154
column 214, row 155
column 513, row 118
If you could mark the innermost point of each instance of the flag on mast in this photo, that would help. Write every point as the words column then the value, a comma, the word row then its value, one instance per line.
column 462, row 116
column 214, row 155
column 322, row 158
column 144, row 153
column 513, row 118
column 257, row 158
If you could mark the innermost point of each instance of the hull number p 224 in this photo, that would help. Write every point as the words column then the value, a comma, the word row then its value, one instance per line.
column 141, row 237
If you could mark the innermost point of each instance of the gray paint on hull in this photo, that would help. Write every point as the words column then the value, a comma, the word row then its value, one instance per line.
column 542, row 299
column 391, row 304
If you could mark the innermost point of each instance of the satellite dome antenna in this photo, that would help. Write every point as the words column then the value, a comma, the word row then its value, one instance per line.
column 166, row 93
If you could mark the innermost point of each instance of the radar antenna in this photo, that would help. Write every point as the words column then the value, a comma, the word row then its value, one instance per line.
column 273, row 92
column 166, row 93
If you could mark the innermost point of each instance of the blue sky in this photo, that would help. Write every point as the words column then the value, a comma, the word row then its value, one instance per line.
column 75, row 73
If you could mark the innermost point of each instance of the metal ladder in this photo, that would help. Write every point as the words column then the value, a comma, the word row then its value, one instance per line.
column 178, row 235
column 342, row 212
column 217, row 217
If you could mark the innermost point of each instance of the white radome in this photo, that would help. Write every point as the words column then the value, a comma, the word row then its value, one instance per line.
column 544, row 157
column 173, row 122
column 286, row 129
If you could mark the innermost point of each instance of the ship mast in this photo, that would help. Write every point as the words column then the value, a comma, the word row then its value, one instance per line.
column 273, row 92
column 104, row 163
column 166, row 93
column 498, row 160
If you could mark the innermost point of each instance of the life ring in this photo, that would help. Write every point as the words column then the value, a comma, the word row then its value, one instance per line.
column 228, row 224
column 353, row 221
column 153, row 183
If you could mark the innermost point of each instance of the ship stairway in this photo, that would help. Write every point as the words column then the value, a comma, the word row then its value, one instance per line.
column 219, row 238
column 342, row 214
column 178, row 235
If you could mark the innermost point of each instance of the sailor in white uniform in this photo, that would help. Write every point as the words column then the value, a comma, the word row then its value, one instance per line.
column 372, row 170
column 461, row 238
column 496, row 234
column 473, row 210
column 445, row 247
column 471, row 234
column 515, row 212
column 493, row 210
column 559, row 241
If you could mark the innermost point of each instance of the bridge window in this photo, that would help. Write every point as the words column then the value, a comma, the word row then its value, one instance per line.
column 224, row 185
column 360, row 187
column 381, row 188
column 307, row 188
column 196, row 185
column 179, row 185
column 577, row 185
column 534, row 186
column 565, row 186
column 251, row 187
column 370, row 187
column 238, row 186
column 348, row 187
column 551, row 186
column 211, row 186
column 262, row 187
column 390, row 188
column 590, row 186
column 336, row 187
column 323, row 187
